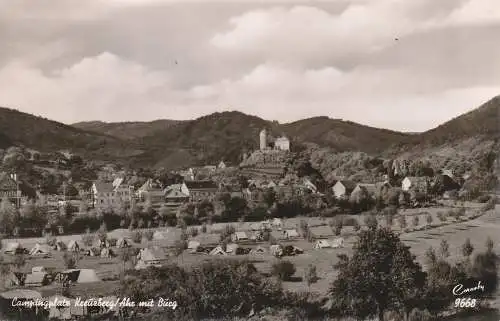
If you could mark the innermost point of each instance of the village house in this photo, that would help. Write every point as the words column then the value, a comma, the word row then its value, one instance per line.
column 174, row 197
column 11, row 189
column 150, row 189
column 231, row 189
column 251, row 194
column 282, row 143
column 414, row 183
column 239, row 236
column 201, row 173
column 321, row 232
column 371, row 189
column 200, row 190
column 343, row 188
column 111, row 194
column 447, row 183
column 188, row 174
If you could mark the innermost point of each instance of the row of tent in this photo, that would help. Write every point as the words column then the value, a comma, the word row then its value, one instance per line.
column 325, row 244
column 40, row 277
column 235, row 249
column 45, row 249
column 267, row 225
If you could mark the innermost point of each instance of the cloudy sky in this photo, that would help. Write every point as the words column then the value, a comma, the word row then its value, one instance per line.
column 400, row 64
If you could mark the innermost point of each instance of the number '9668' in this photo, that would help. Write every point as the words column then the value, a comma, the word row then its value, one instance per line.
column 465, row 303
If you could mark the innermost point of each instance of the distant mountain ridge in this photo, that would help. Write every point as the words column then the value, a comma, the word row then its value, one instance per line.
column 22, row 129
column 126, row 130
column 482, row 124
column 226, row 135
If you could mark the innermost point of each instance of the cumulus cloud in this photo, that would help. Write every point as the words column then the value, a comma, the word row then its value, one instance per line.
column 365, row 96
column 301, row 33
column 141, row 60
column 475, row 12
column 101, row 87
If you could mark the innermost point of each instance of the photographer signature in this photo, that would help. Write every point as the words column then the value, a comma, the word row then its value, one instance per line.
column 459, row 289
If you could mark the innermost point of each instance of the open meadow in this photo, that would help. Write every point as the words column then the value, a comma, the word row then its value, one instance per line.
column 455, row 232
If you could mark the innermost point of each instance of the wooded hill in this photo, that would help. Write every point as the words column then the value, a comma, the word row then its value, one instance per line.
column 226, row 135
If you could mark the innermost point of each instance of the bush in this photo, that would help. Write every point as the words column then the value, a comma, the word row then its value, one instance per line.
column 460, row 212
column 216, row 290
column 70, row 260
column 402, row 222
column 148, row 235
column 311, row 275
column 283, row 270
column 416, row 220
column 102, row 233
column 349, row 221
column 337, row 222
column 371, row 221
column 389, row 219
column 136, row 237
column 419, row 315
column 490, row 205
column 227, row 232
column 483, row 198
column 391, row 210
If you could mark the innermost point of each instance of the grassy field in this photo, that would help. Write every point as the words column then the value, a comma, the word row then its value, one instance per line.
column 478, row 230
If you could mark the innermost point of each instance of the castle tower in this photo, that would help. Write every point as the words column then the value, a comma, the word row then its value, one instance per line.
column 263, row 139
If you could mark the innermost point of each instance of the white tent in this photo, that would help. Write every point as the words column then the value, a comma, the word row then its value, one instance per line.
column 232, row 248
column 217, row 251
column 338, row 243
column 73, row 246
column 40, row 250
column 291, row 233
column 82, row 275
column 322, row 244
column 239, row 236
column 122, row 242
column 38, row 269
column 258, row 250
column 12, row 247
column 193, row 245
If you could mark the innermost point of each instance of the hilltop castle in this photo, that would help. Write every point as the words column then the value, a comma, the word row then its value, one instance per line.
column 268, row 143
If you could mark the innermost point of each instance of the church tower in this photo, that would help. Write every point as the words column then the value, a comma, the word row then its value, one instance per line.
column 263, row 139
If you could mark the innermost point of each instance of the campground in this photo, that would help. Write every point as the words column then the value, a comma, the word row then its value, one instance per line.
column 420, row 239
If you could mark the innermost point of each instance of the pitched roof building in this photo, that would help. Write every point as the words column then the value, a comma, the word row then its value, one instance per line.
column 420, row 184
column 198, row 190
column 343, row 188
